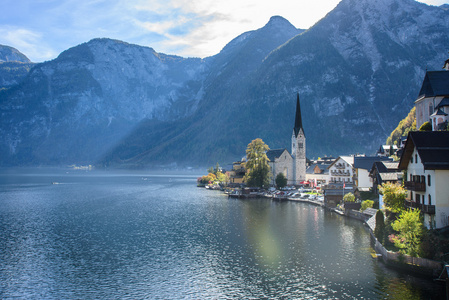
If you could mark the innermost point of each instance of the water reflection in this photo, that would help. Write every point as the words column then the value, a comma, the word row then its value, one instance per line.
column 162, row 238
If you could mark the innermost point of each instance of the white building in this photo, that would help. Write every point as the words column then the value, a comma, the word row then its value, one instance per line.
column 341, row 170
column 426, row 161
column 362, row 169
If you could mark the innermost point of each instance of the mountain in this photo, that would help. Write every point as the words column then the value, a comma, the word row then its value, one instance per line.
column 80, row 105
column 8, row 54
column 357, row 71
column 14, row 66
column 77, row 106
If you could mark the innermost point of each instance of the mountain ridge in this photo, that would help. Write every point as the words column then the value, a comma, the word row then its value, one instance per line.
column 118, row 104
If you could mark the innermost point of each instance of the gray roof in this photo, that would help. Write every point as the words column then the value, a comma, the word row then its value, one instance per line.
column 275, row 153
column 323, row 167
column 432, row 147
column 366, row 162
column 435, row 83
column 444, row 102
column 390, row 176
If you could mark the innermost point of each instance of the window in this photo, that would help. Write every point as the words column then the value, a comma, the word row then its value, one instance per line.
column 430, row 200
column 411, row 160
column 423, row 179
column 418, row 198
column 416, row 158
column 428, row 180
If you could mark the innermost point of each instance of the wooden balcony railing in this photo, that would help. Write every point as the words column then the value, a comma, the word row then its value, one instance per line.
column 428, row 209
column 415, row 186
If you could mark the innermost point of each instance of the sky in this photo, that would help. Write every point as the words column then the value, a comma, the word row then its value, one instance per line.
column 41, row 29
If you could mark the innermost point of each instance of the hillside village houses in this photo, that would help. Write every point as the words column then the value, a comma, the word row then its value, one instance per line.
column 424, row 159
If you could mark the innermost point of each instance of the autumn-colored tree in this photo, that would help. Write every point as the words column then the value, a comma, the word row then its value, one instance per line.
column 393, row 196
column 403, row 128
column 257, row 167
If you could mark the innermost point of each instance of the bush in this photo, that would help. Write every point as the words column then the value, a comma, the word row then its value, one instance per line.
column 367, row 204
column 426, row 126
column 349, row 197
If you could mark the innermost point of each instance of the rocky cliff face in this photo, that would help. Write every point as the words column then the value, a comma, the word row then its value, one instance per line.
column 358, row 72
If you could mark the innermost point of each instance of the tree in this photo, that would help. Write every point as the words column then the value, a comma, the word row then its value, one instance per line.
column 281, row 180
column 403, row 128
column 366, row 204
column 257, row 168
column 349, row 197
column 393, row 196
column 426, row 126
column 222, row 178
column 379, row 231
column 411, row 230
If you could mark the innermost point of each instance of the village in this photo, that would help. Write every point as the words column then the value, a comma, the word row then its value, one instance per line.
column 356, row 185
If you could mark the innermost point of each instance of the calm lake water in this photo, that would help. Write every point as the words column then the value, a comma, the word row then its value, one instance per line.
column 142, row 235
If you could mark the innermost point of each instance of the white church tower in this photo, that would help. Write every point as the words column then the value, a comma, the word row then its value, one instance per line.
column 299, row 147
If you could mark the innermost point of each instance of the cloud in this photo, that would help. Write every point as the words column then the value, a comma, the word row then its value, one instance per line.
column 27, row 42
column 43, row 28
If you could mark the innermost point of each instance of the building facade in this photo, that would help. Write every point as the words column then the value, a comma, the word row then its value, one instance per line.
column 342, row 170
column 281, row 162
column 426, row 161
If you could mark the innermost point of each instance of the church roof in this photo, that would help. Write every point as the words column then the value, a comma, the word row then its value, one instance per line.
column 275, row 153
column 439, row 112
column 444, row 102
column 298, row 118
column 435, row 83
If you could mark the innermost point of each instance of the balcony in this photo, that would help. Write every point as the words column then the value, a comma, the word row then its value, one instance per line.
column 427, row 209
column 415, row 186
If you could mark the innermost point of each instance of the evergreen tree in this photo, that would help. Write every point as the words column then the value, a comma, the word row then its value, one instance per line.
column 281, row 180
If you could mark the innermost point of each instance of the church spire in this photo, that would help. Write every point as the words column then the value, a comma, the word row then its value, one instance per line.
column 298, row 119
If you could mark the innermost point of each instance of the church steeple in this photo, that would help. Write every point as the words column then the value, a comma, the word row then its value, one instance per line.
column 298, row 119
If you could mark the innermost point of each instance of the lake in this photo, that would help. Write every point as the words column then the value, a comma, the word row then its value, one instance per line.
column 68, row 234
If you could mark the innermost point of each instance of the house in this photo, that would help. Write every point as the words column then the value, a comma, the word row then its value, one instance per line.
column 384, row 172
column 426, row 162
column 318, row 173
column 280, row 162
column 432, row 102
column 362, row 168
column 237, row 173
column 341, row 180
column 341, row 170
column 387, row 150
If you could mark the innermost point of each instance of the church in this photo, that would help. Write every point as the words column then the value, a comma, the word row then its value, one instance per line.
column 292, row 165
